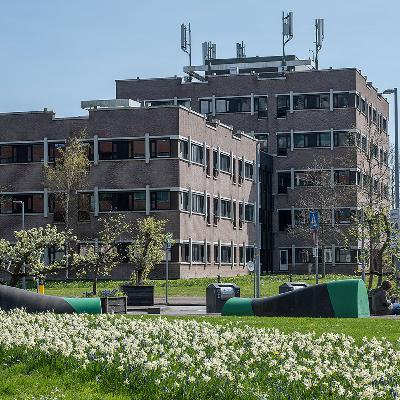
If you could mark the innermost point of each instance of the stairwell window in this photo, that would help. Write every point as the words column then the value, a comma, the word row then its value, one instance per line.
column 21, row 153
column 160, row 148
column 184, row 149
column 160, row 200
column 283, row 144
column 282, row 105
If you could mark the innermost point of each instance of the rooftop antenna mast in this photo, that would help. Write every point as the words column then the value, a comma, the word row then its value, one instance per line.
column 209, row 53
column 186, row 41
column 287, row 34
column 240, row 50
column 319, row 37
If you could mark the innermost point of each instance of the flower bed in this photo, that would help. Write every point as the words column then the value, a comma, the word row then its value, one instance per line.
column 160, row 358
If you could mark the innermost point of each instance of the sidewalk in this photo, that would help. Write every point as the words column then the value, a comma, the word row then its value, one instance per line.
column 181, row 301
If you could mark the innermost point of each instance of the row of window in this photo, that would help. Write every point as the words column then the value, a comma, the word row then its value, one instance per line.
column 234, row 105
column 321, row 101
column 324, row 177
column 338, row 216
column 220, row 162
column 302, row 255
column 324, row 139
column 222, row 253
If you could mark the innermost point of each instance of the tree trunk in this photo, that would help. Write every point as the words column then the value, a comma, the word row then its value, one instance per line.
column 14, row 280
column 371, row 259
column 139, row 277
column 323, row 261
column 95, row 285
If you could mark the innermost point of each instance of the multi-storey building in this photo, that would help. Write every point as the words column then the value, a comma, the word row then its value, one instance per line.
column 169, row 162
column 326, row 120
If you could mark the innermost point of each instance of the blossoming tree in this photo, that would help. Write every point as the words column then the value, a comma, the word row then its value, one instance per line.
column 26, row 256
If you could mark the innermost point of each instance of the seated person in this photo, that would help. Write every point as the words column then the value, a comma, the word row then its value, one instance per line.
column 381, row 304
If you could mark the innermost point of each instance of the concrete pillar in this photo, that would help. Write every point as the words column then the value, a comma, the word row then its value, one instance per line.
column 333, row 217
column 219, row 205
column 147, row 147
column 204, row 155
column 293, row 257
column 148, row 204
column 292, row 178
column 45, row 202
column 205, row 204
column 291, row 102
column 190, row 149
column 333, row 255
column 190, row 252
column 232, row 254
column 205, row 252
column 219, row 254
column 219, row 158
column 332, row 177
column 45, row 151
column 332, row 139
column 96, row 201
column 231, row 158
column 190, row 201
column 175, row 101
column 252, row 105
column 291, row 140
column 213, row 105
column 292, row 215
column 96, row 149
column 331, row 100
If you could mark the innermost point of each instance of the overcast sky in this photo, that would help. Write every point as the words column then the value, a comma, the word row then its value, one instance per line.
column 55, row 53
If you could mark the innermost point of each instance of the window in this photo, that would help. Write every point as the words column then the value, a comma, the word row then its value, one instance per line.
column 215, row 163
column 261, row 106
column 303, row 256
column 343, row 138
column 216, row 211
column 344, row 215
column 241, row 255
column 233, row 105
column 85, row 206
column 226, row 254
column 249, row 253
column 241, row 172
column 374, row 116
column 234, row 170
column 225, row 163
column 241, row 216
column 33, row 203
column 283, row 144
column 249, row 213
column 384, row 124
column 121, row 149
column 364, row 143
column 343, row 255
column 184, row 149
column 160, row 200
column 216, row 253
column 374, row 150
column 206, row 106
column 197, row 154
column 300, row 217
column 346, row 177
column 198, row 252
column 21, row 153
column 198, row 203
column 225, row 208
column 285, row 219
column 122, row 201
column 343, row 100
column 311, row 178
column 160, row 148
column 248, row 170
column 185, row 252
column 185, row 201
column 311, row 101
column 284, row 181
column 234, row 215
column 312, row 139
column 363, row 107
column 282, row 105
column 208, row 210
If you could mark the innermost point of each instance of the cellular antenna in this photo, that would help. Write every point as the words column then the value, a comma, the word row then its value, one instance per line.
column 209, row 53
column 240, row 50
column 287, row 34
column 319, row 37
column 186, row 41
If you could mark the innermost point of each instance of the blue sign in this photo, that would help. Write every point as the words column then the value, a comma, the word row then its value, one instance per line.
column 313, row 220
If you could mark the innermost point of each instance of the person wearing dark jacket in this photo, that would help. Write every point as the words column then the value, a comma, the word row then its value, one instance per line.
column 381, row 304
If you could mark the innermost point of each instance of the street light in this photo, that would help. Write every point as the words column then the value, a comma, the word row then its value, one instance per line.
column 396, row 146
column 257, row 269
column 23, row 228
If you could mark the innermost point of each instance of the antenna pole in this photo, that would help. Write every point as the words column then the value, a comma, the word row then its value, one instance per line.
column 190, row 46
column 283, row 42
column 316, row 44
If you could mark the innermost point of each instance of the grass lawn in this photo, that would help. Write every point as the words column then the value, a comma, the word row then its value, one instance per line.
column 195, row 287
column 21, row 381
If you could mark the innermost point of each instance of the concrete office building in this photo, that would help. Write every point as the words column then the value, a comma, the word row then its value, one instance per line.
column 309, row 116
column 169, row 162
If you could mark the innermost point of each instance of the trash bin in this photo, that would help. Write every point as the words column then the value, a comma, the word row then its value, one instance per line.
column 291, row 286
column 218, row 293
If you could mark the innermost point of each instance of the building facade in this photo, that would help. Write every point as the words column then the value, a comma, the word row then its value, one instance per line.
column 169, row 162
column 324, row 123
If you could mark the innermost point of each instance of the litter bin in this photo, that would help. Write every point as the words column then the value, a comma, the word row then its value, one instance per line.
column 291, row 286
column 218, row 293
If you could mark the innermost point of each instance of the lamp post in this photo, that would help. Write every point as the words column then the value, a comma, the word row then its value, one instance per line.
column 396, row 146
column 23, row 228
column 257, row 250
